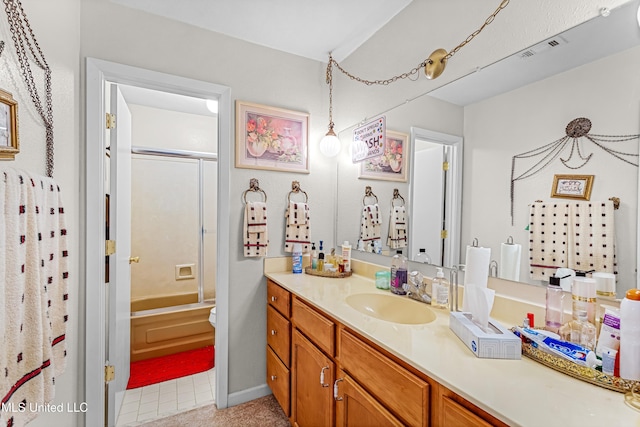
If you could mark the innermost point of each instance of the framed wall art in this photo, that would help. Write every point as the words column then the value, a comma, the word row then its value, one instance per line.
column 9, row 143
column 572, row 186
column 271, row 138
column 393, row 163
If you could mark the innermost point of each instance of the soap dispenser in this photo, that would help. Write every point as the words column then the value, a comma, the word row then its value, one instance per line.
column 439, row 290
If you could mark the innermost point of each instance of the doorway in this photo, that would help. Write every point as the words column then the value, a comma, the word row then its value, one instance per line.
column 98, row 74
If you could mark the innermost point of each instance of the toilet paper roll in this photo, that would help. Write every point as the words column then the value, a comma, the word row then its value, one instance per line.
column 476, row 270
column 509, row 267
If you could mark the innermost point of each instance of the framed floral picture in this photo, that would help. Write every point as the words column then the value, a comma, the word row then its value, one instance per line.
column 271, row 138
column 9, row 143
column 393, row 163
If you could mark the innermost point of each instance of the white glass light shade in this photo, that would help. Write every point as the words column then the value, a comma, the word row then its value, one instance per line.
column 212, row 105
column 330, row 145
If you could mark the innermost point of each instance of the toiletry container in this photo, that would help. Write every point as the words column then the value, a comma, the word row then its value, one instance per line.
column 314, row 257
column 398, row 273
column 630, row 335
column 422, row 256
column 346, row 256
column 320, row 263
column 382, row 279
column 439, row 290
column 583, row 297
column 296, row 257
column 554, row 312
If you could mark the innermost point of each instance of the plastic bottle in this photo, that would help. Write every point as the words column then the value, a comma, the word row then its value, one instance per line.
column 422, row 256
column 554, row 312
column 297, row 258
column 583, row 296
column 398, row 273
column 314, row 257
column 439, row 290
column 580, row 331
column 630, row 335
column 346, row 256
column 320, row 263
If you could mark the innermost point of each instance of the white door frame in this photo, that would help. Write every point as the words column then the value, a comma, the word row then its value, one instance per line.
column 98, row 73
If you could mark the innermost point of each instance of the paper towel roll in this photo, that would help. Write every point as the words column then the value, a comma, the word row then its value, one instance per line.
column 476, row 268
column 509, row 267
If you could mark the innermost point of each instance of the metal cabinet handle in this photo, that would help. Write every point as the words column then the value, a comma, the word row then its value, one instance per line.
column 273, row 377
column 322, row 377
column 274, row 299
column 273, row 332
column 335, row 389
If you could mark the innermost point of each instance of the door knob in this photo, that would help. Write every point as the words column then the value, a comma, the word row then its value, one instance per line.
column 135, row 259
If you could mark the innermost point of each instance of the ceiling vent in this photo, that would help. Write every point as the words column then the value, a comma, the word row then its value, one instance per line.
column 542, row 47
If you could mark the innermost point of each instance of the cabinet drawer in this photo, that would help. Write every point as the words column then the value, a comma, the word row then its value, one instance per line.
column 314, row 325
column 456, row 415
column 279, row 298
column 279, row 335
column 279, row 380
column 403, row 393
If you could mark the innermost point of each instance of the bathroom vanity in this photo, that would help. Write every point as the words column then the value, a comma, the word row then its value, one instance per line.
column 328, row 363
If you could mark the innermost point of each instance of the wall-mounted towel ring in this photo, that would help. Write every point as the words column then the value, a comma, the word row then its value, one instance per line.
column 255, row 187
column 475, row 242
column 397, row 196
column 510, row 240
column 368, row 193
column 295, row 189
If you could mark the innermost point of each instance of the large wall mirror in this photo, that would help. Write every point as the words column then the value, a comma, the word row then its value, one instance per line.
column 508, row 108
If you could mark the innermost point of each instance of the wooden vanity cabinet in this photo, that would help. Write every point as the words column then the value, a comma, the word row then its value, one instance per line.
column 279, row 344
column 372, row 386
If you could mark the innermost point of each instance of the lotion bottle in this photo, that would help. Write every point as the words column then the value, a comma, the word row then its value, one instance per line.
column 630, row 335
column 439, row 290
column 314, row 257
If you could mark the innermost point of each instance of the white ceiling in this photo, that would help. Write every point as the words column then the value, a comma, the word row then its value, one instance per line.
column 308, row 28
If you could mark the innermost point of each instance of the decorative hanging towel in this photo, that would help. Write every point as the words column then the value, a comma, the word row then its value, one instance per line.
column 397, row 237
column 370, row 223
column 591, row 243
column 297, row 227
column 255, row 235
column 576, row 235
column 33, row 292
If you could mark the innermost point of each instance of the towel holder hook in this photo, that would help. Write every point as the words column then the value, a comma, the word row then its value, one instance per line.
column 295, row 189
column 368, row 193
column 255, row 187
column 510, row 240
column 397, row 196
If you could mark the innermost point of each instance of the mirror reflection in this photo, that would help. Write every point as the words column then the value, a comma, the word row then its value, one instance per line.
column 510, row 119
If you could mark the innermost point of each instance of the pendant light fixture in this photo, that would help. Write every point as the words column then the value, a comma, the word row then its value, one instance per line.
column 330, row 143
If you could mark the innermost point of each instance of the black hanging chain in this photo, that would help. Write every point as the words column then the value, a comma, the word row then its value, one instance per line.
column 27, row 49
column 1, row 46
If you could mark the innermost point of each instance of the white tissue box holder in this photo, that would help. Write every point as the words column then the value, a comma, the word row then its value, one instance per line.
column 500, row 344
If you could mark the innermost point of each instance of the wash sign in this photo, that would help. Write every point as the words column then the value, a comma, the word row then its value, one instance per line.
column 368, row 140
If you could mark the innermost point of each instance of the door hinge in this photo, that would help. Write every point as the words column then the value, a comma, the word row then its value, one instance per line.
column 110, row 121
column 444, row 234
column 109, row 373
column 445, row 166
column 110, row 247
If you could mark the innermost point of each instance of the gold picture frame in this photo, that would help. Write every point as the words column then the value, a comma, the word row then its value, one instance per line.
column 9, row 142
column 393, row 164
column 572, row 186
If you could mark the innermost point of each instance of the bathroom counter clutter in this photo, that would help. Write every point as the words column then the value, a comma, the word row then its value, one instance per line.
column 517, row 392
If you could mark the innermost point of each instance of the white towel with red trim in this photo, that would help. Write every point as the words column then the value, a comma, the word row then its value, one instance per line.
column 297, row 229
column 370, row 223
column 34, row 259
column 397, row 237
column 256, row 239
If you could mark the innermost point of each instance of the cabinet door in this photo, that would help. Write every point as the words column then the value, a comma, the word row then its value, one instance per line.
column 311, row 400
column 456, row 415
column 357, row 408
column 278, row 380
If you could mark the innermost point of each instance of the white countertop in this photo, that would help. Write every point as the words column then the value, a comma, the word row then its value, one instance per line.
column 518, row 392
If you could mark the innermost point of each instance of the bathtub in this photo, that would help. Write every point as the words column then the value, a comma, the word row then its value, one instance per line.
column 167, row 330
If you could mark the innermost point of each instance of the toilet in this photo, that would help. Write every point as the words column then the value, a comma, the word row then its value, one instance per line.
column 212, row 317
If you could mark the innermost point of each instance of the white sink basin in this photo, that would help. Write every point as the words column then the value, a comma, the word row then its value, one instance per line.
column 392, row 308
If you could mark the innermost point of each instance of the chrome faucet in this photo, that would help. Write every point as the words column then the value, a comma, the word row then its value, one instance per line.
column 416, row 288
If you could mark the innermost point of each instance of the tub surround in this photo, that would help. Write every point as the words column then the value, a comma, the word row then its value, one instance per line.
column 518, row 392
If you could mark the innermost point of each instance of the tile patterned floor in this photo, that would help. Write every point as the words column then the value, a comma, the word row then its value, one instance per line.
column 167, row 398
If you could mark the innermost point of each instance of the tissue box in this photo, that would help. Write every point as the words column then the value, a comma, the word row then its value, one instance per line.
column 500, row 343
